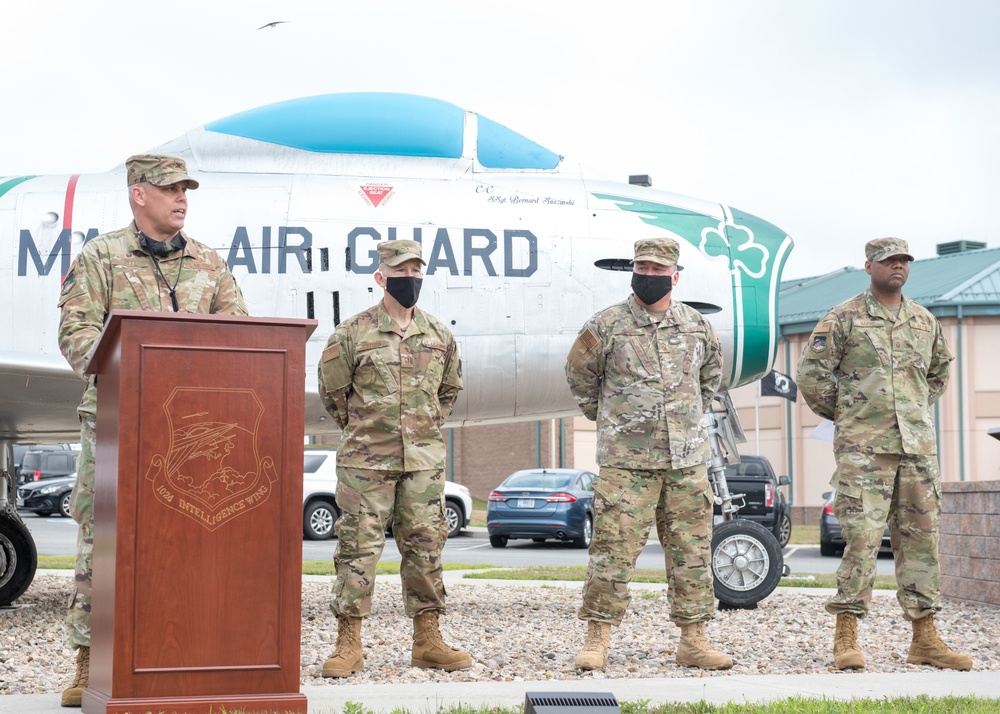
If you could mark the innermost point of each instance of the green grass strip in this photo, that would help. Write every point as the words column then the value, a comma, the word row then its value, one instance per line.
column 309, row 567
column 577, row 573
column 798, row 705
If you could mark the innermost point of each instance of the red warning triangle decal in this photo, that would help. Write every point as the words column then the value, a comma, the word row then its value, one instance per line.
column 376, row 193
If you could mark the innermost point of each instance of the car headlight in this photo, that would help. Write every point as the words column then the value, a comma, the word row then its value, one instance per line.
column 48, row 489
column 463, row 490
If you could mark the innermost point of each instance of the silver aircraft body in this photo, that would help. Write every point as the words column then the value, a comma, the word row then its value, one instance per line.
column 522, row 247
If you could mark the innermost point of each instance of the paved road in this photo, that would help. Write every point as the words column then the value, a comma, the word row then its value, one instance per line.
column 57, row 536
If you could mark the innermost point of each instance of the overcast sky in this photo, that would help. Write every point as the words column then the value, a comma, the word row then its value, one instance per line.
column 838, row 121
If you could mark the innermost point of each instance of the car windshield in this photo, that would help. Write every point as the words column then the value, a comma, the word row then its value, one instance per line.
column 539, row 479
column 32, row 460
column 746, row 468
column 313, row 462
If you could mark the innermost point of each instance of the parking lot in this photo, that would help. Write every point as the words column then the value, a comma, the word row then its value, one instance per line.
column 57, row 536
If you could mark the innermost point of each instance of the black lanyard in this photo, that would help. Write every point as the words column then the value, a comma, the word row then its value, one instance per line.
column 180, row 266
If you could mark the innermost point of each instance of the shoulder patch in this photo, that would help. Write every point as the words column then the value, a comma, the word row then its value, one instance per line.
column 68, row 283
column 823, row 328
column 331, row 352
column 589, row 339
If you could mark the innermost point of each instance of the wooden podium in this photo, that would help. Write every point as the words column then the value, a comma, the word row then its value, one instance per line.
column 197, row 589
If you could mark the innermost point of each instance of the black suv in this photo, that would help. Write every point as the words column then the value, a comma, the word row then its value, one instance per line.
column 765, row 502
column 42, row 463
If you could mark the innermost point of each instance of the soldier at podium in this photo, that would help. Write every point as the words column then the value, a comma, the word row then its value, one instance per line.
column 151, row 264
column 390, row 376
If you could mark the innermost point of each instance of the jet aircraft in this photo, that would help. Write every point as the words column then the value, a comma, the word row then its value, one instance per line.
column 522, row 246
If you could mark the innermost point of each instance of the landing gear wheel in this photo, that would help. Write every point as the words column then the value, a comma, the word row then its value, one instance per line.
column 746, row 563
column 18, row 559
column 498, row 541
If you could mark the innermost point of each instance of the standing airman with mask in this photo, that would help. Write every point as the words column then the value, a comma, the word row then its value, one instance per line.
column 390, row 376
column 646, row 370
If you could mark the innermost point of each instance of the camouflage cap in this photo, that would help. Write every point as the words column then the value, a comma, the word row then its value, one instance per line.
column 158, row 170
column 882, row 248
column 664, row 251
column 394, row 252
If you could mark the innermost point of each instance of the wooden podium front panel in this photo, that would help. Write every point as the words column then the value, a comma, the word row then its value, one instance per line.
column 207, row 515
column 211, row 483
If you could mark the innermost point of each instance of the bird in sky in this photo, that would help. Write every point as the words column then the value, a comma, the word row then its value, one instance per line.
column 272, row 24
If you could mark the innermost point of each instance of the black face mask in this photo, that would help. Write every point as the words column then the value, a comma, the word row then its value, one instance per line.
column 161, row 249
column 651, row 289
column 404, row 290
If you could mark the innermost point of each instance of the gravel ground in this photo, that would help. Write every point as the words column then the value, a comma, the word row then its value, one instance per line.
column 531, row 633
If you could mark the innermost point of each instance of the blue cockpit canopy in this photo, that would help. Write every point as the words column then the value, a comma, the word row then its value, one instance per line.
column 383, row 124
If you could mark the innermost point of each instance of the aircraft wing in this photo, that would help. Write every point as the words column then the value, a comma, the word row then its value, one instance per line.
column 38, row 398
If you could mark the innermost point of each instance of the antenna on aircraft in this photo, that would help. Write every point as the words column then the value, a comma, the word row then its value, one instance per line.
column 273, row 24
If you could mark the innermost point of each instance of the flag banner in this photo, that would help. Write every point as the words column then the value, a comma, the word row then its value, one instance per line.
column 776, row 384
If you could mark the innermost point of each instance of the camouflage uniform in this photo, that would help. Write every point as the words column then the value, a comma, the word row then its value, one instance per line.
column 114, row 272
column 647, row 384
column 390, row 391
column 876, row 376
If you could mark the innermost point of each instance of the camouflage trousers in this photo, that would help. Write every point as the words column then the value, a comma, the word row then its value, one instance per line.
column 903, row 491
column 81, row 507
column 415, row 502
column 626, row 502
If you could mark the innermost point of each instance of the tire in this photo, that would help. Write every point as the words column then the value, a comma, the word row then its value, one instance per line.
column 827, row 549
column 18, row 559
column 42, row 514
column 498, row 541
column 64, row 505
column 588, row 533
column 318, row 522
column 784, row 530
column 455, row 518
column 746, row 563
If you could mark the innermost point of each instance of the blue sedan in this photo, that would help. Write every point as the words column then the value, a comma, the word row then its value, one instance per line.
column 541, row 504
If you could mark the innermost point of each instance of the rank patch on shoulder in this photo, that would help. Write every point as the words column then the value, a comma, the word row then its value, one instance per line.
column 331, row 352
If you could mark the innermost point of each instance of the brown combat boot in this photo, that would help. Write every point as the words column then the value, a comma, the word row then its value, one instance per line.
column 694, row 651
column 73, row 696
column 594, row 654
column 927, row 647
column 430, row 651
column 347, row 658
column 846, row 652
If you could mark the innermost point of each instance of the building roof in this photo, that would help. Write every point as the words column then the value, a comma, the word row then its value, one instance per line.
column 967, row 281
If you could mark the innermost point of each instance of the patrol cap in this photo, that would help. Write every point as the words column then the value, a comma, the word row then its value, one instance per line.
column 664, row 251
column 883, row 248
column 158, row 170
column 394, row 252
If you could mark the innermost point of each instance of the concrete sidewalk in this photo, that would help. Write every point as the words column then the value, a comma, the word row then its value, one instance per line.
column 422, row 698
